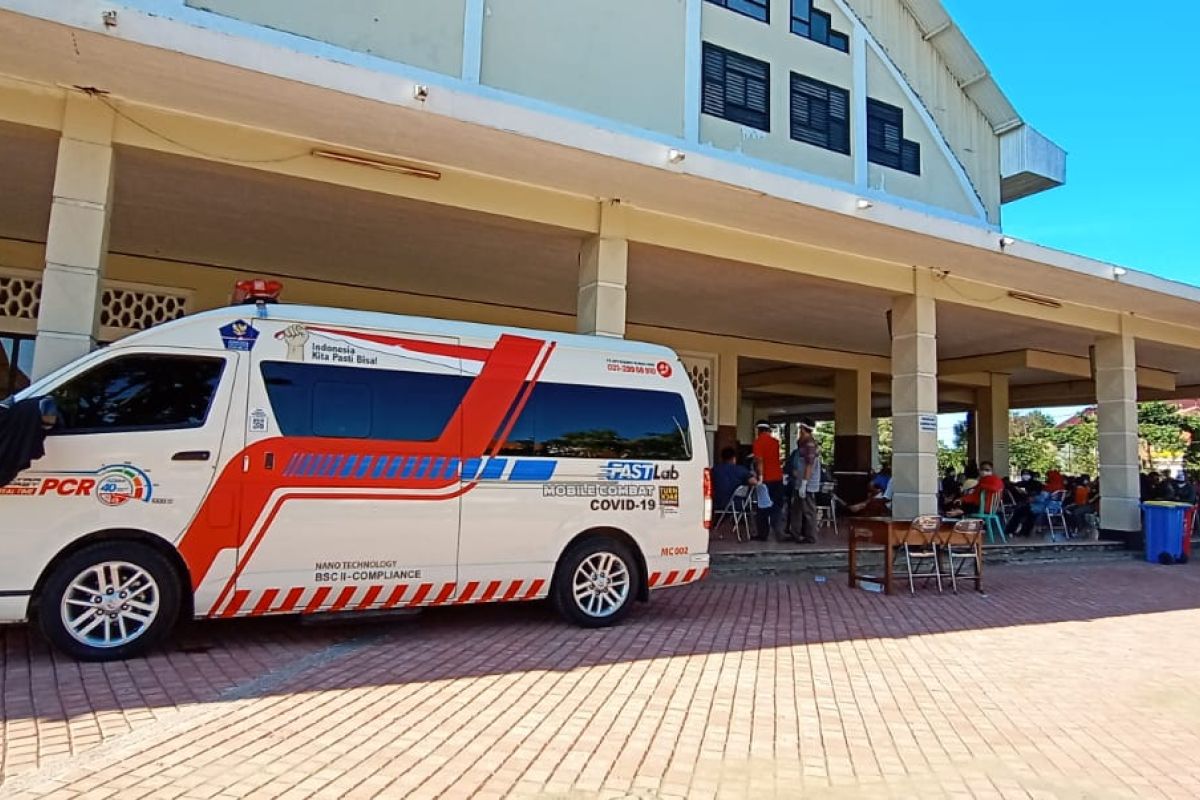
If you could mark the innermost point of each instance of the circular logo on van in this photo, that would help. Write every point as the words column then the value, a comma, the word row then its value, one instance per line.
column 119, row 485
column 664, row 369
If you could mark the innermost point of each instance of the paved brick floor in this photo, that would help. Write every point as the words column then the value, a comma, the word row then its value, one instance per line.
column 1063, row 681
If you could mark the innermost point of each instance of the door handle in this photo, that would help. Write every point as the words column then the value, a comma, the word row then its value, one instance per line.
column 192, row 455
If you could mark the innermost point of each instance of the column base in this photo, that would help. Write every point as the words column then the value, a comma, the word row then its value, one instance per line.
column 1133, row 540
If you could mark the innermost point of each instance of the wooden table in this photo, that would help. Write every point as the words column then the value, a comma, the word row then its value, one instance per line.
column 889, row 532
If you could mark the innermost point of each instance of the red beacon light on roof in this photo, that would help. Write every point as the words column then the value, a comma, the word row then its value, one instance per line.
column 257, row 292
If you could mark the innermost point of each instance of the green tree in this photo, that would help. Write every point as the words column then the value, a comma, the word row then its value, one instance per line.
column 1030, row 443
column 884, row 426
column 824, row 434
column 1078, row 444
column 1160, row 431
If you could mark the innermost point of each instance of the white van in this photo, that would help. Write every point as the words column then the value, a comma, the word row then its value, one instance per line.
column 278, row 459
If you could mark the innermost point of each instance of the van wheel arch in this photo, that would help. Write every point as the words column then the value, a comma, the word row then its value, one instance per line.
column 603, row 532
column 159, row 544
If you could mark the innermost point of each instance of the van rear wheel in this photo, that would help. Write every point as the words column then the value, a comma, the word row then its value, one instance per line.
column 596, row 582
column 109, row 601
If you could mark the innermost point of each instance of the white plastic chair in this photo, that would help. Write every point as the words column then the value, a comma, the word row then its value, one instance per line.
column 827, row 511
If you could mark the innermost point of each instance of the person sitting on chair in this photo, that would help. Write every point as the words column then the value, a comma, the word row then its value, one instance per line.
column 988, row 482
column 727, row 477
column 877, row 504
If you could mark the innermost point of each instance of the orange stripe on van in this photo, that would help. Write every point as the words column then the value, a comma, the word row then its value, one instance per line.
column 444, row 594
column 534, row 589
column 672, row 576
column 235, row 605
column 704, row 574
column 395, row 596
column 372, row 594
column 654, row 576
column 264, row 602
column 317, row 599
column 512, row 590
column 465, row 597
column 689, row 576
column 293, row 597
column 424, row 590
column 490, row 592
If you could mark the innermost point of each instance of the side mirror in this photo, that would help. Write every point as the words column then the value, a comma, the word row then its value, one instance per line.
column 49, row 411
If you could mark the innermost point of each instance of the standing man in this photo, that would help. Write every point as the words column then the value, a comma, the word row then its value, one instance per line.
column 770, row 471
column 806, row 480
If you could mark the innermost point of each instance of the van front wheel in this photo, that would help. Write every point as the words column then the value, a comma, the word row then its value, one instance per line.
column 109, row 601
column 595, row 583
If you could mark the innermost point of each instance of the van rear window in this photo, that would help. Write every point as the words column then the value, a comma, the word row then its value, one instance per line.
column 572, row 421
column 356, row 403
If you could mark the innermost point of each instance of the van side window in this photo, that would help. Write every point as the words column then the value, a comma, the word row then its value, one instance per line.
column 142, row 392
column 357, row 403
column 571, row 421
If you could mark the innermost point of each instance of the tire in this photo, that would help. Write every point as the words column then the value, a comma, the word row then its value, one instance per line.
column 81, row 610
column 596, row 582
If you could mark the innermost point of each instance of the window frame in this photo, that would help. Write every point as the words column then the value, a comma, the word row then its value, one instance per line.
column 223, row 360
column 744, row 115
column 765, row 5
column 834, row 39
column 842, row 147
column 881, row 113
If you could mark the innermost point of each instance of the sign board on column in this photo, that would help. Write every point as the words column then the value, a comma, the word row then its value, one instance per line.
column 929, row 423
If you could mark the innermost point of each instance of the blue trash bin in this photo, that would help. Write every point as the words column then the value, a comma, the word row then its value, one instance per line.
column 1163, row 524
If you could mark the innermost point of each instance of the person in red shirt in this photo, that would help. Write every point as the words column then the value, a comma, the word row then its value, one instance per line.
column 770, row 470
column 989, row 482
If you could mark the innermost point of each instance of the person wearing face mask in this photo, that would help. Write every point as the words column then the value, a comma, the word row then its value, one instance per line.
column 989, row 482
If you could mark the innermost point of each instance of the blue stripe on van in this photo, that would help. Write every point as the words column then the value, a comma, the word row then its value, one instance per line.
column 470, row 468
column 306, row 466
column 363, row 466
column 422, row 467
column 451, row 470
column 409, row 464
column 396, row 462
column 493, row 469
column 348, row 465
column 533, row 470
column 292, row 464
column 380, row 464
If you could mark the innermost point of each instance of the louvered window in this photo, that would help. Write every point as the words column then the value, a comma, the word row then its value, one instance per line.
column 755, row 9
column 817, row 25
column 820, row 114
column 886, row 144
column 736, row 88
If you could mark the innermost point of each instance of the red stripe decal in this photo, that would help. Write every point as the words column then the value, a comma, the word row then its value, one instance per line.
column 444, row 594
column 533, row 590
column 264, row 602
column 654, row 576
column 420, row 595
column 235, row 605
column 293, row 597
column 317, row 600
column 343, row 598
column 395, row 596
column 523, row 396
column 490, row 592
column 372, row 595
column 689, row 575
column 512, row 590
column 704, row 574
column 465, row 597
column 671, row 577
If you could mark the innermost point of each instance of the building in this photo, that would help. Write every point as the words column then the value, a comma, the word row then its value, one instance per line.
column 804, row 198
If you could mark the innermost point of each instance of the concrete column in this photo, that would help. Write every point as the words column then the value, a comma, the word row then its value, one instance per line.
column 603, row 272
column 746, row 420
column 77, row 240
column 728, row 398
column 992, row 422
column 1116, row 401
column 914, row 405
column 973, row 437
column 853, row 425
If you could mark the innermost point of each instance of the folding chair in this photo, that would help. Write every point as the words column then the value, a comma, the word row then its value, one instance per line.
column 962, row 546
column 738, row 508
column 1056, row 514
column 920, row 546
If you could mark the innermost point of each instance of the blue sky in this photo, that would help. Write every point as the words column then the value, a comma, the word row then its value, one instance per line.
column 1119, row 90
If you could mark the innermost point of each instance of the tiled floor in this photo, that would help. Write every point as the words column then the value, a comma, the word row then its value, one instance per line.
column 1063, row 681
